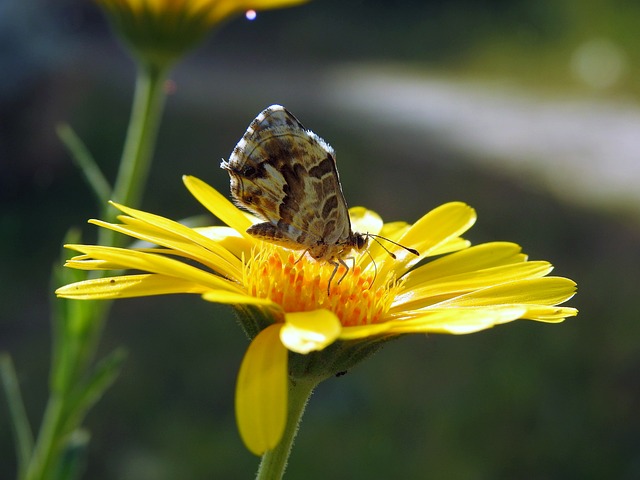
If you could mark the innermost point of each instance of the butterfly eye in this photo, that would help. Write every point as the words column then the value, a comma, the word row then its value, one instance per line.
column 361, row 241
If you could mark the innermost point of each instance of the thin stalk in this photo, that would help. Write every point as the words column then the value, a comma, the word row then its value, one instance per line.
column 148, row 104
column 274, row 462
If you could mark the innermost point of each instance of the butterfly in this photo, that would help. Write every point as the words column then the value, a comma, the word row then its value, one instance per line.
column 287, row 175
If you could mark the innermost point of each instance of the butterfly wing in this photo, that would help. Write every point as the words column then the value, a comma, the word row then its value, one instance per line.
column 288, row 176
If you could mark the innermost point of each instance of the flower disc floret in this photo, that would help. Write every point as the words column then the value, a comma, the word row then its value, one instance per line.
column 299, row 284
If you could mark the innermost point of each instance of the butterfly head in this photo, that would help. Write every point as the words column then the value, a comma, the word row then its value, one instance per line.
column 360, row 241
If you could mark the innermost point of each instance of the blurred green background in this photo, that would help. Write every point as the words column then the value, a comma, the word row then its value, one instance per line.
column 527, row 110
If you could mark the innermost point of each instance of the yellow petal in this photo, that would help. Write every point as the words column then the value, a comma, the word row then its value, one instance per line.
column 261, row 391
column 549, row 313
column 439, row 225
column 458, row 320
column 304, row 332
column 164, row 228
column 217, row 204
column 229, row 239
column 127, row 286
column 364, row 220
column 180, row 239
column 232, row 298
column 394, row 230
column 154, row 263
column 365, row 331
column 538, row 291
column 438, row 289
column 448, row 246
column 84, row 262
column 470, row 260
column 443, row 320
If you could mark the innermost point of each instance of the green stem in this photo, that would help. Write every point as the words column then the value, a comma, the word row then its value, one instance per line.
column 138, row 148
column 274, row 462
column 148, row 103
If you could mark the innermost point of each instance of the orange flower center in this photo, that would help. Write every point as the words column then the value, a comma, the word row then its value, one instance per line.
column 299, row 284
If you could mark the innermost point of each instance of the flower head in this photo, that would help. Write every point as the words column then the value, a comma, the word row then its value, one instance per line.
column 161, row 30
column 465, row 289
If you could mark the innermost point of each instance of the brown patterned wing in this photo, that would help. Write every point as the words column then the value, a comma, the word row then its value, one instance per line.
column 287, row 175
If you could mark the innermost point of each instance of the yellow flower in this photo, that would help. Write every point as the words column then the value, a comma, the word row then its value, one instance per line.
column 161, row 30
column 464, row 290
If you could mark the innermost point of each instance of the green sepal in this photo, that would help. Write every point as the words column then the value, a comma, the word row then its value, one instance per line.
column 336, row 359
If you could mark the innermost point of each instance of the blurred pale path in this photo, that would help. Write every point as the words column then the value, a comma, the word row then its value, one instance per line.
column 586, row 149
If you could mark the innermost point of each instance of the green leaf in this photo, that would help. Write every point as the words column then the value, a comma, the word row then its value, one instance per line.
column 85, row 161
column 19, row 421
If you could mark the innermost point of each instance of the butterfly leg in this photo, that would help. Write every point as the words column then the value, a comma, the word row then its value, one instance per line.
column 344, row 264
column 301, row 256
column 336, row 265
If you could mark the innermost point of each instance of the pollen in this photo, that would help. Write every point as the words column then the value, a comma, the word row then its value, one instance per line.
column 299, row 284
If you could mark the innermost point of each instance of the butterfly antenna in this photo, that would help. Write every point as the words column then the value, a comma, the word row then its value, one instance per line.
column 391, row 254
column 375, row 237
column 375, row 267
